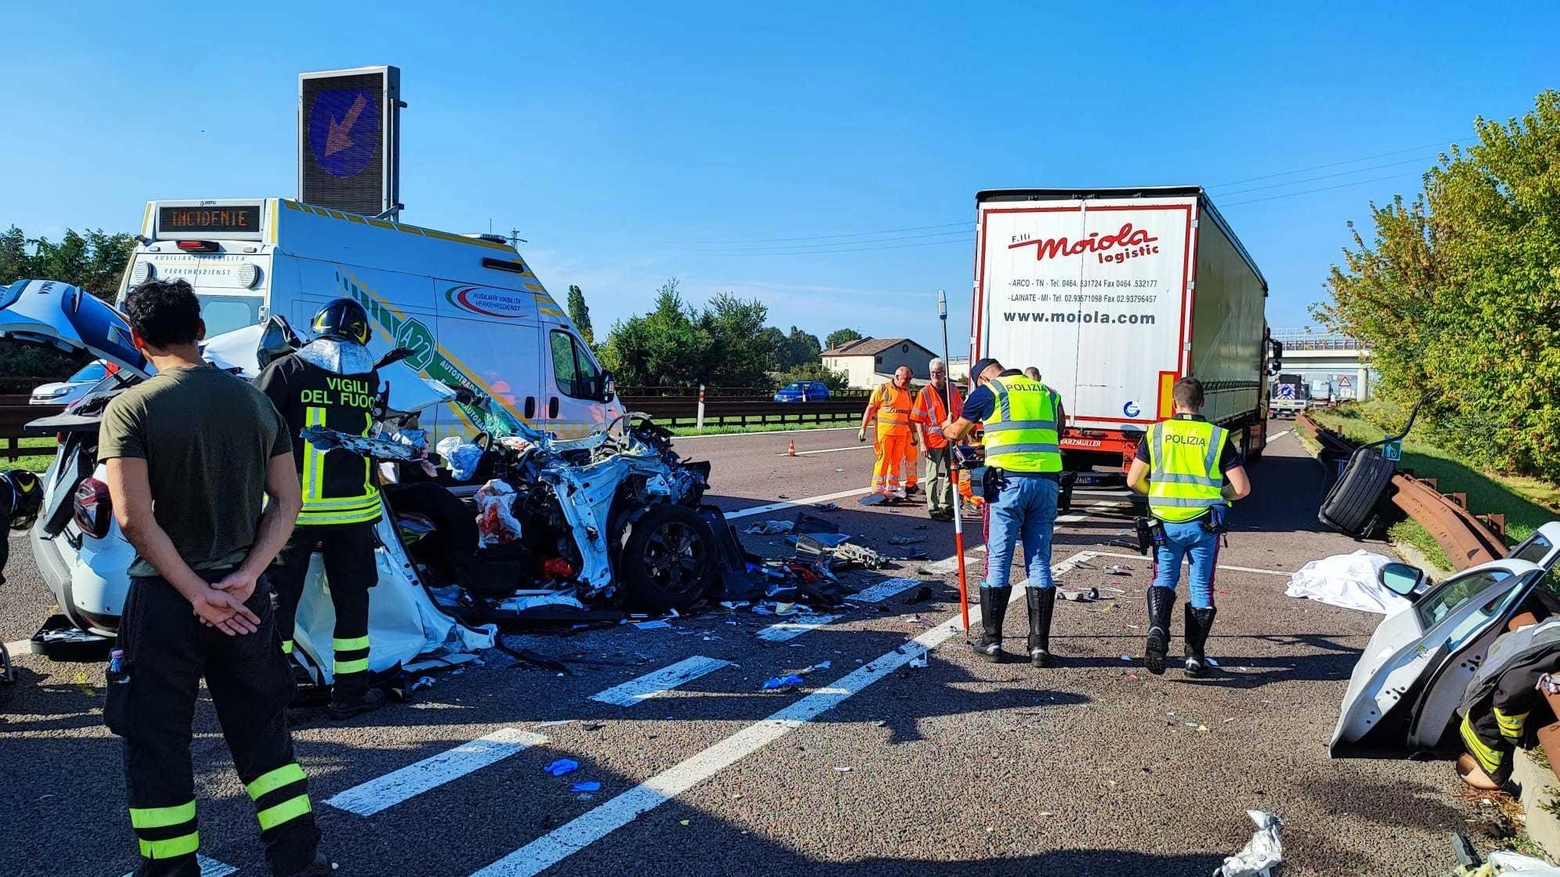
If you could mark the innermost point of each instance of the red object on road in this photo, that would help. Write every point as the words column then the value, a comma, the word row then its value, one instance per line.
column 790, row 450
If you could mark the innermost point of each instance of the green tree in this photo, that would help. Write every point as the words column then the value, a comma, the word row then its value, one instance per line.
column 815, row 371
column 579, row 315
column 664, row 348
column 1458, row 294
column 796, row 349
column 744, row 354
column 724, row 344
column 94, row 261
column 840, row 336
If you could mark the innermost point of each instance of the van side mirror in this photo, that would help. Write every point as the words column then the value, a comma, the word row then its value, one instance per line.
column 1401, row 579
column 606, row 386
column 277, row 340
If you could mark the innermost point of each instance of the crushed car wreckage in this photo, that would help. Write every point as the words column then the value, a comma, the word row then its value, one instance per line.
column 1409, row 681
column 611, row 522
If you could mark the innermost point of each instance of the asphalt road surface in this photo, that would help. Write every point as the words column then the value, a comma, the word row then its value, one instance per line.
column 874, row 766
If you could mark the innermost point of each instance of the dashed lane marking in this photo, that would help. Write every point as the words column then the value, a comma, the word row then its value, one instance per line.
column 570, row 838
column 684, row 438
column 661, row 681
column 1278, row 435
column 785, row 630
column 1267, row 572
column 792, row 503
column 825, row 451
column 430, row 773
column 882, row 590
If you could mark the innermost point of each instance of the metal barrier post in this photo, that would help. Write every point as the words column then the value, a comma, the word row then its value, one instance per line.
column 701, row 408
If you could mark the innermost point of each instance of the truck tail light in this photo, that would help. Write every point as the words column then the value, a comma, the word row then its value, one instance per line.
column 198, row 246
column 94, row 511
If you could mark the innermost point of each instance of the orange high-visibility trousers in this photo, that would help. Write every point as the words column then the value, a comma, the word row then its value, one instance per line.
column 890, row 450
column 912, row 463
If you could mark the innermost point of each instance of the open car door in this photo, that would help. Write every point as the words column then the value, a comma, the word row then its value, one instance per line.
column 1412, row 648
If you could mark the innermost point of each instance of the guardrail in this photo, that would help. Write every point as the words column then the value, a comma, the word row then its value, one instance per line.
column 746, row 412
column 1468, row 539
column 15, row 413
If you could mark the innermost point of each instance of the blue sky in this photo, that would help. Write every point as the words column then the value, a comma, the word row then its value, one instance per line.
column 770, row 152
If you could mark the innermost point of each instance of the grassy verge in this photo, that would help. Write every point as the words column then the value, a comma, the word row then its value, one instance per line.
column 1526, row 502
column 767, row 427
column 33, row 463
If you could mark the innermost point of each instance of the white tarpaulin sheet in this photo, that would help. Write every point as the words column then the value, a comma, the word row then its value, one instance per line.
column 403, row 621
column 1346, row 580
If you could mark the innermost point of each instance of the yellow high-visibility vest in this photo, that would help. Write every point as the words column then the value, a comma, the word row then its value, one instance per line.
column 1185, row 481
column 1021, row 433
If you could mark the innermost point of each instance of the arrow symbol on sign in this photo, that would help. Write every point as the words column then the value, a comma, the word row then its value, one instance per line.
column 339, row 137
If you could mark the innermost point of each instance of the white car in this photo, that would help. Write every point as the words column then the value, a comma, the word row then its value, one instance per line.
column 617, row 516
column 74, row 387
column 1409, row 680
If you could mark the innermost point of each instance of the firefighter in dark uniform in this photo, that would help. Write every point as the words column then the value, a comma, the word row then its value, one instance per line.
column 331, row 382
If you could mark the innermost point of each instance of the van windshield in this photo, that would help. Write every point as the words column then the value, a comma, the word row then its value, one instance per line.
column 224, row 313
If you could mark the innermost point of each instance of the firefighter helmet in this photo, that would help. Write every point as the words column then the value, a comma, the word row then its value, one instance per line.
column 343, row 319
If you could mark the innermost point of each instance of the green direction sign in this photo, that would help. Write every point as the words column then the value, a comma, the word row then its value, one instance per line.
column 1392, row 451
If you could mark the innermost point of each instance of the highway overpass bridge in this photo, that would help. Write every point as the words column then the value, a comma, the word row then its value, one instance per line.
column 1337, row 358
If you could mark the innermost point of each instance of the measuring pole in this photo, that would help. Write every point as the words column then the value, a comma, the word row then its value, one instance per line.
column 953, row 476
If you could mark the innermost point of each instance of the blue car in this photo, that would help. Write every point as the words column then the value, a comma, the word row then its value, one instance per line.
column 803, row 391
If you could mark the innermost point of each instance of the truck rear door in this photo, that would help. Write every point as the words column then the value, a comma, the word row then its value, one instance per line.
column 1093, row 293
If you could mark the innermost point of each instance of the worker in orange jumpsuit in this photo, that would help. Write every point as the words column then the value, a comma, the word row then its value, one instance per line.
column 937, row 403
column 890, row 405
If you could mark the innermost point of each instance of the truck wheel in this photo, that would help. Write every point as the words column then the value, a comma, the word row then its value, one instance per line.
column 668, row 560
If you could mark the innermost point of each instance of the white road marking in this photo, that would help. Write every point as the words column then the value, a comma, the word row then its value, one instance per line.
column 20, row 647
column 684, row 438
column 570, row 838
column 208, row 867
column 882, row 590
column 414, row 779
column 661, row 681
column 825, row 451
column 1278, row 435
column 1270, row 572
column 779, row 633
column 792, row 503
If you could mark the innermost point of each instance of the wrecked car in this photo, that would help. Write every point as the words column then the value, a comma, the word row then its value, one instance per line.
column 614, row 519
column 1411, row 677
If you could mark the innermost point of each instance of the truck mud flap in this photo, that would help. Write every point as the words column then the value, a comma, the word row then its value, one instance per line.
column 1350, row 505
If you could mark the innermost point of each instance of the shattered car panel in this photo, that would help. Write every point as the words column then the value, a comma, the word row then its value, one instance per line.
column 1413, row 645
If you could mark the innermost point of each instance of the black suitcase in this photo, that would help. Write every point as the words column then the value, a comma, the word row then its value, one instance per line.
column 1351, row 503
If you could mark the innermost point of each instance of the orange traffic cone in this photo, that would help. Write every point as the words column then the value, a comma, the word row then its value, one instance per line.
column 790, row 450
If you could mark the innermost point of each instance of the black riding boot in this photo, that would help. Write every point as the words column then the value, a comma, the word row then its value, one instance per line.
column 1198, row 623
column 1161, row 602
column 1041, row 602
column 993, row 607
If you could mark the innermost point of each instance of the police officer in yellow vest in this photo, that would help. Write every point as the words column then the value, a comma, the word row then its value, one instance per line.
column 331, row 382
column 1191, row 472
column 1022, row 420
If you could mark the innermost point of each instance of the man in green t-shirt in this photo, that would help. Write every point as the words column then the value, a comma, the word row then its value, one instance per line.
column 191, row 454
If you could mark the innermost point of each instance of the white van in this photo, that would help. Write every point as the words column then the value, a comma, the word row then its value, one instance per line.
column 468, row 304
